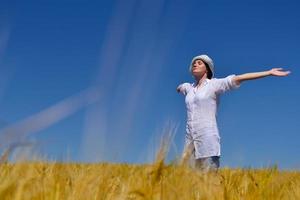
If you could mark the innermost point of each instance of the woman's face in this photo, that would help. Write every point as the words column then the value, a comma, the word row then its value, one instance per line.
column 199, row 68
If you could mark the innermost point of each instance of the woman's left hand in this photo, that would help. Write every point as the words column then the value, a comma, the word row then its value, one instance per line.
column 278, row 72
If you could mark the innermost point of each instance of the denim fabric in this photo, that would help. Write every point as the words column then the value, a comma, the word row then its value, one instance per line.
column 208, row 164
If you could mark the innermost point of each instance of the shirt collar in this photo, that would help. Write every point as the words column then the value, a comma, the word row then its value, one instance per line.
column 204, row 82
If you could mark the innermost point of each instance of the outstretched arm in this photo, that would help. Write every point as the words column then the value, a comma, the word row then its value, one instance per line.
column 255, row 75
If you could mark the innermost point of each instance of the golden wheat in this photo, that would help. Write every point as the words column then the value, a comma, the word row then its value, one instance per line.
column 41, row 180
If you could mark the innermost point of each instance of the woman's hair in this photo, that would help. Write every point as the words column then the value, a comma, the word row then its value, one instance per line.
column 209, row 73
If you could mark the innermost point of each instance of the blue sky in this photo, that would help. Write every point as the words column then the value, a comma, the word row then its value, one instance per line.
column 137, row 52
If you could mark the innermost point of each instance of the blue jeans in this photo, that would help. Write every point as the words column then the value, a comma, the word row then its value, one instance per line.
column 208, row 164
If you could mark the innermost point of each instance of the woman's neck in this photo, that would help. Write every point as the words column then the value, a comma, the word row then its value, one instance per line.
column 200, row 79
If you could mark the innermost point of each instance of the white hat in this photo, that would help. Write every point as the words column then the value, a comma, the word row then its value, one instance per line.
column 205, row 59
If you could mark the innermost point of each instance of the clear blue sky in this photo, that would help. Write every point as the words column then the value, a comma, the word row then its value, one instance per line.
column 138, row 51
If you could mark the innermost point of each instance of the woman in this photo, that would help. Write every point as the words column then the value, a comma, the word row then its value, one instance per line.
column 201, row 98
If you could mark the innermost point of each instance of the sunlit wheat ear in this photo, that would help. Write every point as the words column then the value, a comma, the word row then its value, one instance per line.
column 167, row 137
column 5, row 155
column 8, row 151
column 187, row 152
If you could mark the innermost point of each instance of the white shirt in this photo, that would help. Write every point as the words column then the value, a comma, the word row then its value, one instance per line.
column 201, row 104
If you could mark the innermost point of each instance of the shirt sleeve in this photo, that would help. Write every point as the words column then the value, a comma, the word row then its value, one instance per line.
column 183, row 88
column 222, row 85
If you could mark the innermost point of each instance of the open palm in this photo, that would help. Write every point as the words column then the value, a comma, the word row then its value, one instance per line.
column 279, row 72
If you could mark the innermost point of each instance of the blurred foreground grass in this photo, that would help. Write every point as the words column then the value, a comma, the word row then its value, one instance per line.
column 44, row 180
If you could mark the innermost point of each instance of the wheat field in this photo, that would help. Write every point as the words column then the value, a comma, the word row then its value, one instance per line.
column 52, row 180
